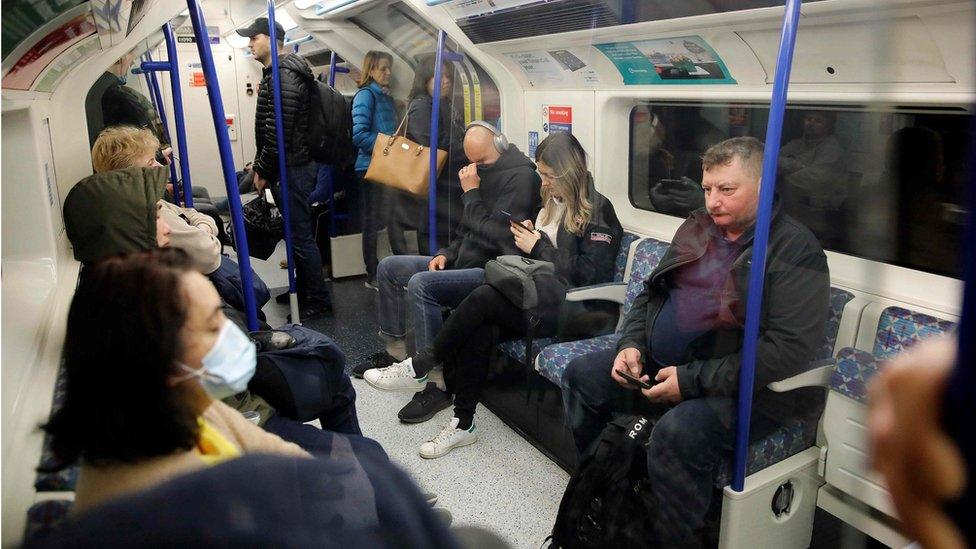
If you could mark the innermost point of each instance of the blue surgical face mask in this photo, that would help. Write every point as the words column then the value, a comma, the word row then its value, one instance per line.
column 228, row 366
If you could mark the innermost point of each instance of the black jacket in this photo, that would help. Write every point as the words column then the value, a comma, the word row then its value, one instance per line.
column 794, row 311
column 296, row 85
column 509, row 185
column 450, row 130
column 587, row 258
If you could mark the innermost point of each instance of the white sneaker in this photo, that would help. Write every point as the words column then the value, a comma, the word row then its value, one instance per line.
column 397, row 377
column 448, row 439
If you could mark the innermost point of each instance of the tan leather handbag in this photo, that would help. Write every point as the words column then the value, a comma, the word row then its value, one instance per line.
column 399, row 163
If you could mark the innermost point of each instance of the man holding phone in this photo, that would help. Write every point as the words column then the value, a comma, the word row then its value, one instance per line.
column 682, row 338
column 414, row 289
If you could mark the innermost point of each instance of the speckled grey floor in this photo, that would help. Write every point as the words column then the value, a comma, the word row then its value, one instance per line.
column 501, row 483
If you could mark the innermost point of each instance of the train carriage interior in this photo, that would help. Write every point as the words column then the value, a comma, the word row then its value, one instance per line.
column 654, row 155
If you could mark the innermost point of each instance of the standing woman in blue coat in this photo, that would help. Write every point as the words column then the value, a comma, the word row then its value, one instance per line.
column 373, row 112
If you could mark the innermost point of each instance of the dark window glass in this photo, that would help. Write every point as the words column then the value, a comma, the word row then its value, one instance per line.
column 883, row 184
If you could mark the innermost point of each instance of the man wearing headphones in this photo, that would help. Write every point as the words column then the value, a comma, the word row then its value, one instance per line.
column 499, row 184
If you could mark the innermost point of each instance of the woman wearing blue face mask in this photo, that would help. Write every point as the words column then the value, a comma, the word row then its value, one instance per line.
column 148, row 353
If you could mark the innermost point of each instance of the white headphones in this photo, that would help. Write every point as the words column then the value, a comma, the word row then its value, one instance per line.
column 499, row 141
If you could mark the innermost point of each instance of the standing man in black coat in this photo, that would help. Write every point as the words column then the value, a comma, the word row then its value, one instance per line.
column 296, row 85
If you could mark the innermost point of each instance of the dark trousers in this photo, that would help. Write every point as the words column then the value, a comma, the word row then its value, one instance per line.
column 319, row 441
column 449, row 210
column 378, row 210
column 689, row 443
column 465, row 342
column 310, row 283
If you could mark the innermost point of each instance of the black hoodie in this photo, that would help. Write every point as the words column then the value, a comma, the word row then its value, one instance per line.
column 510, row 185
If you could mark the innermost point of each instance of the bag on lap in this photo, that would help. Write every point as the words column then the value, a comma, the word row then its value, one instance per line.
column 528, row 283
column 264, row 227
column 607, row 500
column 400, row 163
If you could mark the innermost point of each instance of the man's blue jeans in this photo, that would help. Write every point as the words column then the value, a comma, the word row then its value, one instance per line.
column 411, row 296
column 308, row 263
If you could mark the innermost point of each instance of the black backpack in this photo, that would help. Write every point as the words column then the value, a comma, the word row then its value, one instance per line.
column 607, row 501
column 330, row 128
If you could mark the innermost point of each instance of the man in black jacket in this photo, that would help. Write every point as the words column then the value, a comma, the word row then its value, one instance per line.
column 500, row 184
column 684, row 335
column 296, row 87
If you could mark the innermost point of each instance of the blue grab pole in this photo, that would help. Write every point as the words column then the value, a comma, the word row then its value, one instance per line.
column 333, row 69
column 774, row 130
column 226, row 158
column 434, row 134
column 157, row 99
column 282, row 169
column 177, row 91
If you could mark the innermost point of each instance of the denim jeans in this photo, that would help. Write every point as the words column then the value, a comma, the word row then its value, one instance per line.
column 318, row 441
column 308, row 263
column 689, row 443
column 412, row 296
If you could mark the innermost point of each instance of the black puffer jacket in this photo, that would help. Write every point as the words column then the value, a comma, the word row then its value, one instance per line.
column 296, row 85
column 795, row 305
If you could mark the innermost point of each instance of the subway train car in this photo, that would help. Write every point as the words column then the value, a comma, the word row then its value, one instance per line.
column 757, row 204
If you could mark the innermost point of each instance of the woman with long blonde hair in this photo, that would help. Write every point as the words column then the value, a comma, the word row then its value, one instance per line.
column 577, row 230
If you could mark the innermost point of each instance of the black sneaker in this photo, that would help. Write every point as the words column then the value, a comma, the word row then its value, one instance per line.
column 377, row 360
column 312, row 311
column 425, row 404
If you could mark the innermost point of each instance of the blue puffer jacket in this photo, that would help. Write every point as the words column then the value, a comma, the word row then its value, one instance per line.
column 372, row 112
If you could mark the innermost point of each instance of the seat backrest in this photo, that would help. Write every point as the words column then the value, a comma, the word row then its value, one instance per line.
column 620, row 266
column 647, row 255
column 900, row 328
column 838, row 301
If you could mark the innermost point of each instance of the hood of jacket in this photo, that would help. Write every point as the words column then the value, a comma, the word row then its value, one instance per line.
column 114, row 212
column 511, row 159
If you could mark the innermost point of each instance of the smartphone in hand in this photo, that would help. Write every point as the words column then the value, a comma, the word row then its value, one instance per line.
column 633, row 380
column 512, row 221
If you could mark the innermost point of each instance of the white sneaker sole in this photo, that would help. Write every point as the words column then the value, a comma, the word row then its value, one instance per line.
column 466, row 442
column 416, row 389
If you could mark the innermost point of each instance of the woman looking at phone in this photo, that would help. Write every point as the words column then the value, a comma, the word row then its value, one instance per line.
column 577, row 230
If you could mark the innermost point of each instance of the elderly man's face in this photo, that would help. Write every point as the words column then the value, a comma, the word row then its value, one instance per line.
column 815, row 126
column 731, row 196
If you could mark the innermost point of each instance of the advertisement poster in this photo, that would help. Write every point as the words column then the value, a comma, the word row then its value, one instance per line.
column 680, row 60
column 22, row 75
column 557, row 119
column 564, row 67
column 533, row 143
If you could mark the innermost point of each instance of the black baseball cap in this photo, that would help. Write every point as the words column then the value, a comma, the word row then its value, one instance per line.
column 260, row 26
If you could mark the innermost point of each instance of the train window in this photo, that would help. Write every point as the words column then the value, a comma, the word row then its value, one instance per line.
column 881, row 183
column 412, row 39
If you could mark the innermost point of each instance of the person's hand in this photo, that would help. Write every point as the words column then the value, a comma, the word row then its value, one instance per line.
column 923, row 467
column 439, row 263
column 666, row 390
column 469, row 177
column 260, row 183
column 628, row 360
column 168, row 155
column 525, row 237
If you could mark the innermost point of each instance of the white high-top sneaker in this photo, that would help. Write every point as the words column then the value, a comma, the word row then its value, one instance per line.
column 396, row 377
column 448, row 439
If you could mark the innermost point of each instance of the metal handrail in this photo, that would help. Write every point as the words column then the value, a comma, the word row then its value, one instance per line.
column 226, row 159
column 774, row 130
column 157, row 100
column 282, row 168
column 440, row 57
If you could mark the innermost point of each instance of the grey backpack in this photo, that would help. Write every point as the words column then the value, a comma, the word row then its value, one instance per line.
column 516, row 277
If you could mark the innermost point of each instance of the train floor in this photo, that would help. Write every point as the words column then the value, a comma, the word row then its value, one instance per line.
column 501, row 483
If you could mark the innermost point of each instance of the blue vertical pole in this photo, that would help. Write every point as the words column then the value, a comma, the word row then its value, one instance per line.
column 282, row 169
column 226, row 158
column 774, row 130
column 177, row 91
column 434, row 134
column 330, row 191
column 157, row 99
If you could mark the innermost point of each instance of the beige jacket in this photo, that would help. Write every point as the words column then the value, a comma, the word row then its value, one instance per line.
column 100, row 484
column 194, row 233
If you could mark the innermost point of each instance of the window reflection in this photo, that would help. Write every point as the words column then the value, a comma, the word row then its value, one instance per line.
column 885, row 185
